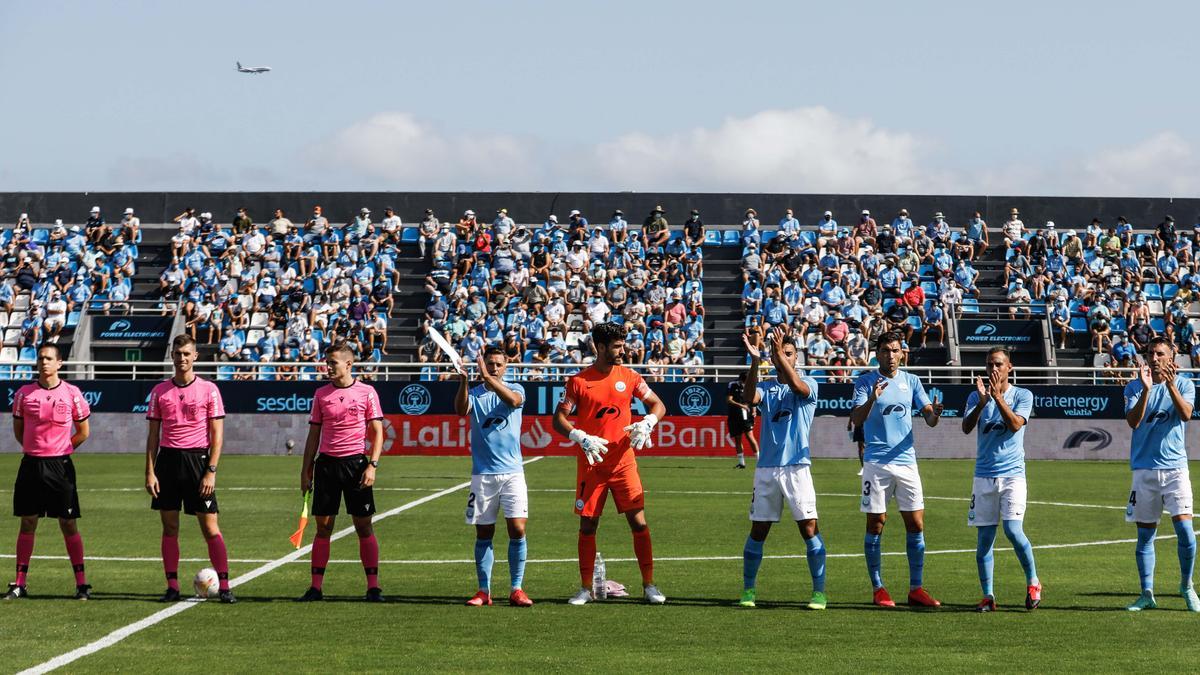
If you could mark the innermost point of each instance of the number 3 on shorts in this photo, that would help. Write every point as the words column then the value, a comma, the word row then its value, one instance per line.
column 866, row 488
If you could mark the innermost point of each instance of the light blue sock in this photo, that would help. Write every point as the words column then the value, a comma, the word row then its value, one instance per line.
column 1016, row 536
column 752, row 556
column 1187, row 551
column 872, row 545
column 816, row 561
column 484, row 556
column 1145, row 556
column 516, row 561
column 983, row 557
column 916, row 559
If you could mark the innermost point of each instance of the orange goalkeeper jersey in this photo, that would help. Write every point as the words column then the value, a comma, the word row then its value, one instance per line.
column 603, row 405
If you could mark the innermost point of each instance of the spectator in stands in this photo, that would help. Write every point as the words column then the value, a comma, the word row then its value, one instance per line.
column 1099, row 317
column 31, row 325
column 976, row 234
column 1018, row 300
column 1141, row 333
column 789, row 227
column 1164, row 234
column 1014, row 230
column 1167, row 268
column 1060, row 320
column 827, row 229
column 751, row 234
column 693, row 230
column 617, row 227
column 656, row 231
column 1091, row 235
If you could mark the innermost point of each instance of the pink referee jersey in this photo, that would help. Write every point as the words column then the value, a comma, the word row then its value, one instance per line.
column 49, row 415
column 185, row 412
column 343, row 413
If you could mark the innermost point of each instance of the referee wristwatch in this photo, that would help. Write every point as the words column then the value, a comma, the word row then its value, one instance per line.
column 212, row 468
column 374, row 463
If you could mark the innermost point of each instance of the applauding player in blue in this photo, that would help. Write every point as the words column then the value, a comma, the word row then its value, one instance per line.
column 497, row 476
column 998, row 412
column 1157, row 404
column 884, row 401
column 781, row 475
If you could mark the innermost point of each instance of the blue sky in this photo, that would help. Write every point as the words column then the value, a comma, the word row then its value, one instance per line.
column 929, row 97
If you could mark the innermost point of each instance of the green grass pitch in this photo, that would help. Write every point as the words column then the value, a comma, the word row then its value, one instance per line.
column 696, row 509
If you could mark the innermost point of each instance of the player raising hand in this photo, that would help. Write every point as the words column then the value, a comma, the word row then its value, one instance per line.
column 884, row 401
column 781, row 475
column 601, row 397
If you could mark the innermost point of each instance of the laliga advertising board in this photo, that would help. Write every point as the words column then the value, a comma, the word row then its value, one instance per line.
column 690, row 427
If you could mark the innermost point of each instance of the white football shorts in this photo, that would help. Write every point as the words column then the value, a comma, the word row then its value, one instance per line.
column 997, row 499
column 1156, row 489
column 882, row 482
column 775, row 486
column 491, row 492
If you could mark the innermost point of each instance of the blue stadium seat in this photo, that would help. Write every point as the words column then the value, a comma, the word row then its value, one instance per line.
column 27, row 354
column 925, row 271
column 1079, row 324
column 712, row 238
column 768, row 236
column 970, row 306
column 1158, row 324
column 225, row 372
column 676, row 235
column 23, row 373
column 732, row 238
column 1141, row 239
column 914, row 321
column 266, row 373
column 41, row 236
column 73, row 319
column 1152, row 291
column 1118, row 324
column 1169, row 291
column 410, row 235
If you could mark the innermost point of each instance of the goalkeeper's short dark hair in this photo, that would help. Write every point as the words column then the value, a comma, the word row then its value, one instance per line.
column 607, row 333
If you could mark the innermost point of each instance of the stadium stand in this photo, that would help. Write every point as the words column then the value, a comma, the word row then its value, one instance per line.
column 281, row 290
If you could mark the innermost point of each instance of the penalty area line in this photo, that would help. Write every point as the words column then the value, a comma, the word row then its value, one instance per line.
column 164, row 614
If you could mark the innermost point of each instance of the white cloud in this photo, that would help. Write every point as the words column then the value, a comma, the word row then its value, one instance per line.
column 396, row 150
column 799, row 150
column 1162, row 165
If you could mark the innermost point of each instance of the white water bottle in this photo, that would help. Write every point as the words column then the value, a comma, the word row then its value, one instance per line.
column 599, row 580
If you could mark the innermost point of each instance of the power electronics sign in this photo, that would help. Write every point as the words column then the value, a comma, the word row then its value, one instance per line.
column 131, row 328
column 999, row 332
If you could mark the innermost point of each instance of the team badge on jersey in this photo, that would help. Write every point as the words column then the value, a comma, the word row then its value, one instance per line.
column 620, row 386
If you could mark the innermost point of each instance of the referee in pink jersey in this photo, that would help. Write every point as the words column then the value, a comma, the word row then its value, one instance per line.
column 183, row 447
column 337, row 465
column 50, row 420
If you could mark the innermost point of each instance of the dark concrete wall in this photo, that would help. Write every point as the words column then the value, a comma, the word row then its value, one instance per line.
column 528, row 207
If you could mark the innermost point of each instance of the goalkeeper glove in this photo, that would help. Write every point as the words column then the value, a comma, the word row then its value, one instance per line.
column 639, row 432
column 594, row 447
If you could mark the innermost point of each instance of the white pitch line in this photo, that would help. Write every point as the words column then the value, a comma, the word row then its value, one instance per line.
column 164, row 614
column 541, row 561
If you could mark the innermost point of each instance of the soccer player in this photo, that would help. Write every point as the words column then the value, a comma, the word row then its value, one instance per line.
column 497, row 477
column 50, row 420
column 884, row 401
column 740, row 420
column 1157, row 404
column 998, row 413
column 183, row 447
column 781, row 475
column 601, row 396
column 346, row 416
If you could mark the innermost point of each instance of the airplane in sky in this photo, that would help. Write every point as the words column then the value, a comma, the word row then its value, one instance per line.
column 252, row 69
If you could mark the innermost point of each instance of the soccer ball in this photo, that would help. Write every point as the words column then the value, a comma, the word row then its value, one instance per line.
column 206, row 583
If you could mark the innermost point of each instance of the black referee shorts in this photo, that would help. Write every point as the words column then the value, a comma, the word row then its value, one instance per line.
column 338, row 477
column 46, row 487
column 179, row 472
column 740, row 422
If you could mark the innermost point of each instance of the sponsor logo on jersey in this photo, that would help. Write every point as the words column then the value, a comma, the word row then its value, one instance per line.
column 781, row 415
column 1159, row 416
column 895, row 409
column 606, row 411
column 993, row 426
column 498, row 422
